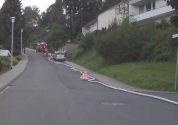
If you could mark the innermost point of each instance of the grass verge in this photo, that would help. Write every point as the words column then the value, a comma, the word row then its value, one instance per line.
column 146, row 75
column 5, row 63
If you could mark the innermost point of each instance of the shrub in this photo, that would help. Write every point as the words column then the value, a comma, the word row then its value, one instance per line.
column 18, row 58
column 4, row 63
column 87, row 42
column 159, row 46
column 132, row 42
column 121, row 45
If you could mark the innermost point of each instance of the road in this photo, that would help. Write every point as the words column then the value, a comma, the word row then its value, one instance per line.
column 52, row 94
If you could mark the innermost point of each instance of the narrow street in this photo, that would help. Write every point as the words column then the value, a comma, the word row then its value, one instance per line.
column 52, row 94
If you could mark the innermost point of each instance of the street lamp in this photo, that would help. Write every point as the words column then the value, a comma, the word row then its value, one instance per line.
column 12, row 43
column 175, row 37
column 21, row 41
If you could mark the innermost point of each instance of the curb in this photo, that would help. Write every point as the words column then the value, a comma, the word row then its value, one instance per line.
column 123, row 85
column 112, row 86
column 7, row 78
column 106, row 79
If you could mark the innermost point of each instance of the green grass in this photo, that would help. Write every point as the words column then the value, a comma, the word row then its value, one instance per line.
column 5, row 62
column 147, row 75
column 155, row 76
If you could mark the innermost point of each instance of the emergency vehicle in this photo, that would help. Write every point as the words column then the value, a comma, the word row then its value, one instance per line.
column 42, row 47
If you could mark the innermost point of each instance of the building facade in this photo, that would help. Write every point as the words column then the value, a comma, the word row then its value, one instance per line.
column 114, row 15
column 90, row 27
column 136, row 10
column 148, row 10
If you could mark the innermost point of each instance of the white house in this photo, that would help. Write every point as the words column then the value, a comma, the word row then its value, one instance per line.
column 90, row 27
column 147, row 10
column 113, row 15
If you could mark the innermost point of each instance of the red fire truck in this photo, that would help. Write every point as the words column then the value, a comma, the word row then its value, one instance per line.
column 42, row 47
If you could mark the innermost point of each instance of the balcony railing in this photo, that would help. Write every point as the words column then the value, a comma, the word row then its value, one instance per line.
column 152, row 13
column 137, row 2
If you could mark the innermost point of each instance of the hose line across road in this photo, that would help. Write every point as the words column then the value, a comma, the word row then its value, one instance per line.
column 52, row 94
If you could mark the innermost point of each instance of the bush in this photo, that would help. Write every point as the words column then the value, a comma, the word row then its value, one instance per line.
column 121, row 45
column 132, row 42
column 4, row 63
column 159, row 46
column 86, row 42
column 18, row 58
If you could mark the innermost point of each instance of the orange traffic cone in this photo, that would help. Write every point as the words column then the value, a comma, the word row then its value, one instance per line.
column 84, row 76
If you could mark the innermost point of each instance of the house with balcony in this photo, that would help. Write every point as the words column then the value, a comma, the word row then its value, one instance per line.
column 104, row 20
column 149, row 10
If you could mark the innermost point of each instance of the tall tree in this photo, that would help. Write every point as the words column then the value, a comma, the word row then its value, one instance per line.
column 109, row 3
column 11, row 8
column 174, row 18
column 54, row 14
column 80, row 12
column 32, row 16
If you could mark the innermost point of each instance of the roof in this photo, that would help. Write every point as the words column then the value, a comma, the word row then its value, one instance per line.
column 91, row 23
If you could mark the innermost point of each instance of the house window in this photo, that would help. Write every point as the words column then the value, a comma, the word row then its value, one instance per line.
column 148, row 6
column 141, row 9
column 154, row 4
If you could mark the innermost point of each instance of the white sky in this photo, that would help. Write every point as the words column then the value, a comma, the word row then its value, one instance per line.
column 41, row 4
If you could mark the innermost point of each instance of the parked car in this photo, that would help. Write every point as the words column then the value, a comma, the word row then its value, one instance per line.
column 59, row 56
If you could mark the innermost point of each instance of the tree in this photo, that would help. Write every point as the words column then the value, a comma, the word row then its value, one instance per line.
column 54, row 14
column 109, row 3
column 11, row 8
column 174, row 4
column 57, row 36
column 80, row 12
column 31, row 15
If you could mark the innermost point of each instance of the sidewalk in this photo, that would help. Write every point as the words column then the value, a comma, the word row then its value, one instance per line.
column 8, row 77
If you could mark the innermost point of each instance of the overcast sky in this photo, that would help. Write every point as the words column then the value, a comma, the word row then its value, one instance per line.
column 41, row 4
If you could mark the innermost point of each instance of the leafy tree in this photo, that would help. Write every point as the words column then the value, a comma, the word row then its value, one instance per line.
column 11, row 8
column 108, row 3
column 57, row 36
column 81, row 12
column 31, row 16
column 174, row 4
column 54, row 14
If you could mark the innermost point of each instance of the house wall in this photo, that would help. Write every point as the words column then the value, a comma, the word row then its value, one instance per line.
column 91, row 28
column 106, row 18
column 161, row 10
column 113, row 15
column 116, row 14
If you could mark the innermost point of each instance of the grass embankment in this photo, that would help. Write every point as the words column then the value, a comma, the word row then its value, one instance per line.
column 147, row 75
column 5, row 63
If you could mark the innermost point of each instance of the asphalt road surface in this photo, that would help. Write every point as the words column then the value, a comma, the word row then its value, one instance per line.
column 52, row 94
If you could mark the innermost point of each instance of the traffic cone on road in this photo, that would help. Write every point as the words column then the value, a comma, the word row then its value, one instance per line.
column 84, row 76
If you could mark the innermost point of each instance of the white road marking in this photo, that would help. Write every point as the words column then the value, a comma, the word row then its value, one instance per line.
column 93, row 80
column 4, row 90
